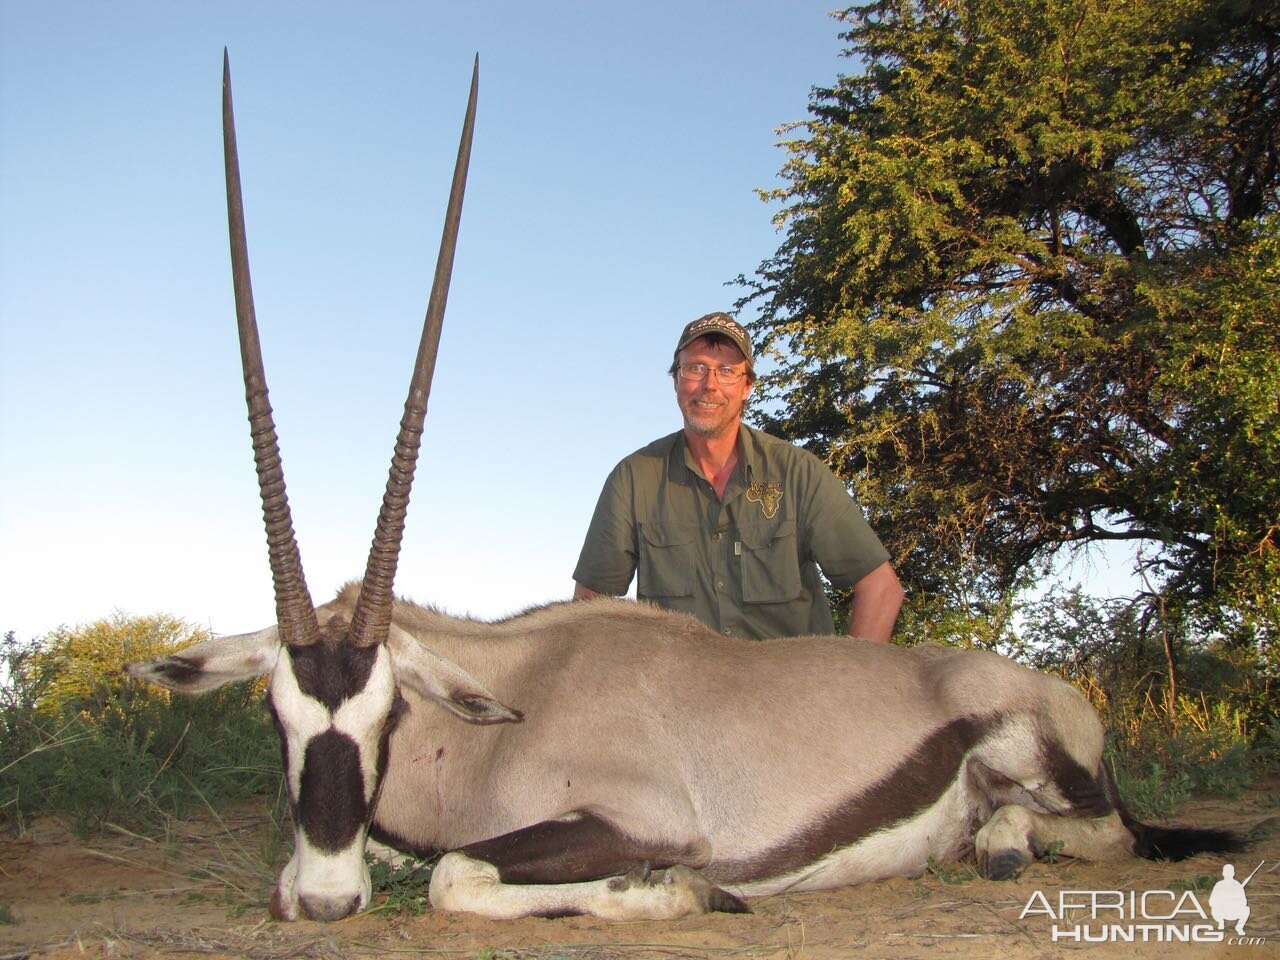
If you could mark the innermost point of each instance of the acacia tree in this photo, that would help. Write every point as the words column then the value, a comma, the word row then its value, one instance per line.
column 1028, row 295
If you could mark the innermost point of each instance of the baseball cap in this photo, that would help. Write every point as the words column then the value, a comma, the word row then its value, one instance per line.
column 722, row 324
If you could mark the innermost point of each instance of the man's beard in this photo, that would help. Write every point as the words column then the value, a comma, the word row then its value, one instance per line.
column 714, row 422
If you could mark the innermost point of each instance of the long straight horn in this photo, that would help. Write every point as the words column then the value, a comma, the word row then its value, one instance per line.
column 373, row 610
column 295, row 613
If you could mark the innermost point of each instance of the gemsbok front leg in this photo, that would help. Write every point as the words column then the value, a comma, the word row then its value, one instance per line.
column 577, row 865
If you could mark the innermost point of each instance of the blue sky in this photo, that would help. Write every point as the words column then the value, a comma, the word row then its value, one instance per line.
column 611, row 199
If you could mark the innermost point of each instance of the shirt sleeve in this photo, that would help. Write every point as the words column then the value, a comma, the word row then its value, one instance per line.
column 607, row 562
column 840, row 540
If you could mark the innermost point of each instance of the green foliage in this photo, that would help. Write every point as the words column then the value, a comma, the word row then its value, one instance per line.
column 931, row 619
column 79, row 738
column 1158, row 770
column 400, row 887
column 1117, row 651
column 1027, row 294
column 1213, row 736
column 952, row 872
column 1221, row 376
column 82, row 668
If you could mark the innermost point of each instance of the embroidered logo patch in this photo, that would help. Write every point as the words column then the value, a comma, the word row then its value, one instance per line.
column 766, row 493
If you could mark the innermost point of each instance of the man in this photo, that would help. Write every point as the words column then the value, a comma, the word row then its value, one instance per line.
column 730, row 524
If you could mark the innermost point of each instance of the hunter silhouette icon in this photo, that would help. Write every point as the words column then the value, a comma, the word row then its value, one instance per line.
column 1228, row 901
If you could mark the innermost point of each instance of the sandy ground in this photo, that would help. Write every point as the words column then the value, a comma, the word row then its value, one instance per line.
column 197, row 894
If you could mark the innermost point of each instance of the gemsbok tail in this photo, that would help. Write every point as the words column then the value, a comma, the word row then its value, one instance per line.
column 1178, row 843
column 1168, row 843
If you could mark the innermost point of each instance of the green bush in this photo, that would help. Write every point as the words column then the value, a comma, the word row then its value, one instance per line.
column 78, row 738
column 1185, row 713
column 1159, row 765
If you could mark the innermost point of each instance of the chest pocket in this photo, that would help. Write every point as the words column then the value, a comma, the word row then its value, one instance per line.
column 665, row 566
column 770, row 562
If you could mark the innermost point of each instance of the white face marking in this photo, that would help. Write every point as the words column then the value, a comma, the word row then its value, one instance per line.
column 364, row 716
column 337, row 878
column 301, row 718
column 360, row 717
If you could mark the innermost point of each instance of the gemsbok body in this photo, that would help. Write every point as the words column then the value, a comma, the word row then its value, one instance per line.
column 605, row 757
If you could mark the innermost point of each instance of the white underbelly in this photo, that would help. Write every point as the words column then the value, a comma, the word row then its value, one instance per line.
column 940, row 832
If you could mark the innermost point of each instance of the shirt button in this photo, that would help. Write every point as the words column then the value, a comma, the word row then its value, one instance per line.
column 719, row 584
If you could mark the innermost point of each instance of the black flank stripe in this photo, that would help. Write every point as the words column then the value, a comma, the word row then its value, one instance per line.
column 913, row 786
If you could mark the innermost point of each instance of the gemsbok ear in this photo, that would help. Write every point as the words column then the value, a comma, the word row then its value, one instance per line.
column 445, row 682
column 212, row 663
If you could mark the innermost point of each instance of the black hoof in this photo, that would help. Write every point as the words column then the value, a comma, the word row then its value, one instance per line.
column 1004, row 866
column 710, row 897
column 722, row 901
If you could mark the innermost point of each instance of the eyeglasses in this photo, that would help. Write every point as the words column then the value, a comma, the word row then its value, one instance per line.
column 726, row 376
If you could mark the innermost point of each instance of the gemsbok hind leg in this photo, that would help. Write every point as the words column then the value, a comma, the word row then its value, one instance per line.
column 1015, row 836
column 1042, row 779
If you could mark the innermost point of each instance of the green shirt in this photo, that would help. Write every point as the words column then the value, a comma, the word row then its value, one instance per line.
column 748, row 565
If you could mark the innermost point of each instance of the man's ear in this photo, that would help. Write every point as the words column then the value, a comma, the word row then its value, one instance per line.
column 441, row 680
column 212, row 663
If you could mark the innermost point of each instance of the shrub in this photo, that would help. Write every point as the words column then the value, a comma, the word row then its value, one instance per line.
column 1158, row 765
column 1200, row 729
column 78, row 737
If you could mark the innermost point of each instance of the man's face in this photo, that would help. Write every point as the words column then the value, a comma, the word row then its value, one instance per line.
column 712, row 408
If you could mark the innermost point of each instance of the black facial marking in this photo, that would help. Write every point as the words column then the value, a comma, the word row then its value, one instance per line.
column 399, row 707
column 284, row 744
column 331, row 804
column 330, row 807
column 332, row 672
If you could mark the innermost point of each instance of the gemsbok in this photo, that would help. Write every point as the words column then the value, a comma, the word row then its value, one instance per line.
column 605, row 757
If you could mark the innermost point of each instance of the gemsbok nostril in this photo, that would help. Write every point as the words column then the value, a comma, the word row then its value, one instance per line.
column 328, row 908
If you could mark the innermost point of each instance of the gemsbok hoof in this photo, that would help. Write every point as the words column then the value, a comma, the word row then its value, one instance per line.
column 1006, row 865
column 711, row 898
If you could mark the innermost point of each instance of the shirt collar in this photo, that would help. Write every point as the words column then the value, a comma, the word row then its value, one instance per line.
column 680, row 469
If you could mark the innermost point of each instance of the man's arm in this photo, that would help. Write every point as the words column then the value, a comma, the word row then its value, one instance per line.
column 877, row 598
column 584, row 593
column 608, row 556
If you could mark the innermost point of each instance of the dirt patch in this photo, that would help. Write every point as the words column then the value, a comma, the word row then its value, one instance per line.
column 201, row 893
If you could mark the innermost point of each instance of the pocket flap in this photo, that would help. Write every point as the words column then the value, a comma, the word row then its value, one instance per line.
column 665, row 565
column 666, row 534
column 758, row 536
